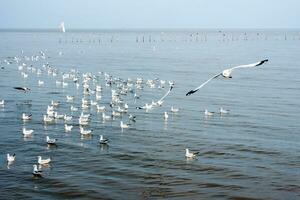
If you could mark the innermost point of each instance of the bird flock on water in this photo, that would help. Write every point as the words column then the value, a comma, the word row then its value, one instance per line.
column 90, row 93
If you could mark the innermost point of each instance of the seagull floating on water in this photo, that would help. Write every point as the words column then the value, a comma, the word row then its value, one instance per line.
column 26, row 117
column 51, row 141
column 174, row 110
column 27, row 133
column 103, row 140
column 189, row 154
column 11, row 158
column 68, row 128
column 36, row 171
column 122, row 125
column 43, row 161
column 226, row 74
column 207, row 113
column 223, row 111
column 85, row 132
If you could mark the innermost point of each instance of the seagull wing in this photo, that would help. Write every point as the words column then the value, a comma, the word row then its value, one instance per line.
column 18, row 88
column 166, row 94
column 250, row 65
column 196, row 89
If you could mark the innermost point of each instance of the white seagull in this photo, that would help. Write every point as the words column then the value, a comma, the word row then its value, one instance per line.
column 223, row 111
column 26, row 132
column 174, row 110
column 43, row 161
column 2, row 103
column 26, row 117
column 122, row 125
column 36, row 171
column 85, row 132
column 103, row 140
column 207, row 113
column 226, row 74
column 51, row 141
column 161, row 100
column 189, row 154
column 11, row 158
column 166, row 116
column 68, row 128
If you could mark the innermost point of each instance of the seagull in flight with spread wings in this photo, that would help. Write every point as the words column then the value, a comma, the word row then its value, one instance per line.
column 226, row 74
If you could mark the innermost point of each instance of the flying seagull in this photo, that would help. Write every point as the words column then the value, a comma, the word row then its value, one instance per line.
column 226, row 74
column 25, row 89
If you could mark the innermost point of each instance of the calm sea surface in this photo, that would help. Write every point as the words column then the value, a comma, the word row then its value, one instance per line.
column 251, row 153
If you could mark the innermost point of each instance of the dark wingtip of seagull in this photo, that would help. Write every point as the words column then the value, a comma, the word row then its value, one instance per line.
column 262, row 62
column 190, row 92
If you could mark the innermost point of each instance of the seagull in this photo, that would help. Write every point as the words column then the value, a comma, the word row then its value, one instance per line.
column 122, row 125
column 226, row 74
column 26, row 117
column 43, row 161
column 166, row 116
column 2, row 102
column 207, row 113
column 188, row 154
column 223, row 111
column 103, row 140
column 40, row 82
column 132, row 118
column 106, row 117
column 67, row 118
column 74, row 108
column 70, row 98
column 68, row 128
column 85, row 132
column 100, row 108
column 25, row 89
column 161, row 100
column 146, row 107
column 27, row 133
column 54, row 103
column 174, row 110
column 11, row 158
column 36, row 172
column 51, row 141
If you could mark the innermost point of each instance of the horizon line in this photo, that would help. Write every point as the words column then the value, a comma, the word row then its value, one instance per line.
column 140, row 29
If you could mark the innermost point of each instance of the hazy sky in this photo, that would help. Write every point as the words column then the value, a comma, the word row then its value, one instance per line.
column 118, row 14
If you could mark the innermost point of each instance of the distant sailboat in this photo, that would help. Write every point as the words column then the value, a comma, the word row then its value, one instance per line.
column 62, row 27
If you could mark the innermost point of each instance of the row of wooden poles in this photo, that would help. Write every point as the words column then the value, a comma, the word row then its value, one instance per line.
column 191, row 38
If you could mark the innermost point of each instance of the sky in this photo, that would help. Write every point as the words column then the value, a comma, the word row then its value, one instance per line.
column 136, row 14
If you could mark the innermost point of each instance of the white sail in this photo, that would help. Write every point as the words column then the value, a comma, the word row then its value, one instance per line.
column 62, row 26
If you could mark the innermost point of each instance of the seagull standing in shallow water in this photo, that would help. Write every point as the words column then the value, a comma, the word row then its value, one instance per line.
column 226, row 74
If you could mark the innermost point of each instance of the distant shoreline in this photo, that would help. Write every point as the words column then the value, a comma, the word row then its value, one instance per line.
column 147, row 29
